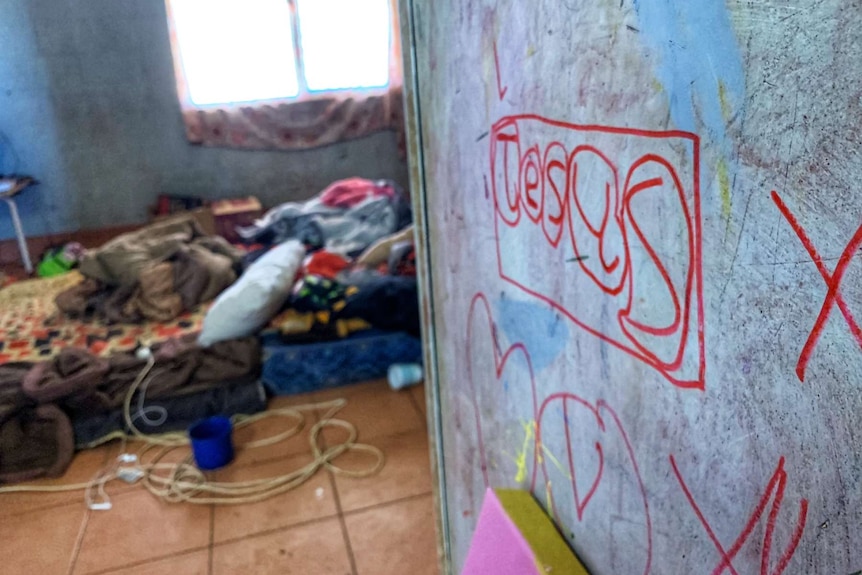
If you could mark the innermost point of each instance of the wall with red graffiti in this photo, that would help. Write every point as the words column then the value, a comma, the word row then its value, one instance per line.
column 643, row 236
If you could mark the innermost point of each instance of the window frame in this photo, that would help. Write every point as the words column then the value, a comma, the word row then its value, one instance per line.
column 304, row 94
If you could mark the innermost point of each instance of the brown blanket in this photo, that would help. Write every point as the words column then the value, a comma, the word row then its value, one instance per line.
column 153, row 274
column 82, row 382
column 38, row 400
column 35, row 440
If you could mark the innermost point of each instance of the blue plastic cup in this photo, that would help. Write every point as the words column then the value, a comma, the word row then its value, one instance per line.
column 212, row 442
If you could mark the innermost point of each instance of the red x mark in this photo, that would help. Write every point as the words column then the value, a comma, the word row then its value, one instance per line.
column 776, row 484
column 833, row 282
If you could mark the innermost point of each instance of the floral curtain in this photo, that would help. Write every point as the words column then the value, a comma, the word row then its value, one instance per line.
column 307, row 121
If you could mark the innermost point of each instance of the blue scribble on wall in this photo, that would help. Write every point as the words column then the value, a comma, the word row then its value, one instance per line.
column 537, row 326
column 699, row 61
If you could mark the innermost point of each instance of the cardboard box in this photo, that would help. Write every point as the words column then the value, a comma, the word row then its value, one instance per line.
column 203, row 216
column 228, row 214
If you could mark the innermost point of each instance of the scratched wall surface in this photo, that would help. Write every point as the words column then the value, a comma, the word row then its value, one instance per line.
column 644, row 222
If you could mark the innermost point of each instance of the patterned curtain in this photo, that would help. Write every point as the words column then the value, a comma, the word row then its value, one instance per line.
column 307, row 121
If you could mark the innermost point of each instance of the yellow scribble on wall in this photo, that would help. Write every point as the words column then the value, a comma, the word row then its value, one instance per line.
column 521, row 460
column 724, row 101
column 656, row 85
column 550, row 497
column 556, row 462
column 724, row 188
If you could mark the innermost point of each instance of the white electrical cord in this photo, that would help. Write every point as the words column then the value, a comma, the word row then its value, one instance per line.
column 144, row 411
column 183, row 481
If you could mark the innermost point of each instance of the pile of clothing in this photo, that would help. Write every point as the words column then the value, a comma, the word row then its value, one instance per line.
column 41, row 402
column 334, row 296
column 155, row 274
column 344, row 218
column 341, row 262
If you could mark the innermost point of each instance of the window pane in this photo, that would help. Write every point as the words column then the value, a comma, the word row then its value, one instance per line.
column 236, row 50
column 345, row 43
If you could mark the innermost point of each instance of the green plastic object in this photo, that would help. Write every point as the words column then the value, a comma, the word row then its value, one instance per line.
column 54, row 264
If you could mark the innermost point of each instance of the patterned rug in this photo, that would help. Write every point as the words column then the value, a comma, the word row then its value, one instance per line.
column 33, row 329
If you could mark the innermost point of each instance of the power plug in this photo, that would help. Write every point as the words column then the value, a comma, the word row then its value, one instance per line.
column 100, row 506
column 128, row 469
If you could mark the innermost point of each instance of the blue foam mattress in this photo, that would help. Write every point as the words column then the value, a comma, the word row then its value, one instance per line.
column 289, row 369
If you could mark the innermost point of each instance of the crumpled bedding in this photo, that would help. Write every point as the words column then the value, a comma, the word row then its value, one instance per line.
column 40, row 401
column 154, row 274
column 34, row 440
column 341, row 219
column 82, row 382
column 245, row 395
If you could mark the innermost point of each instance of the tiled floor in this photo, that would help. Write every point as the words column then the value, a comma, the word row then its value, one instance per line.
column 382, row 525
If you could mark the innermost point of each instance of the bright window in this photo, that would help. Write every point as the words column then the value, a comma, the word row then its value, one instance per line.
column 245, row 50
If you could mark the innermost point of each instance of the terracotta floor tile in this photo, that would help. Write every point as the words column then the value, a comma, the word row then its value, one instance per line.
column 375, row 409
column 395, row 539
column 196, row 563
column 138, row 528
column 313, row 549
column 157, row 453
column 40, row 541
column 145, row 457
column 271, row 426
column 313, row 499
column 83, row 468
column 301, row 399
column 418, row 392
column 407, row 472
column 148, row 536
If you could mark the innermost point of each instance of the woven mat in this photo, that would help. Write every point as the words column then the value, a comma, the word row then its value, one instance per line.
column 33, row 329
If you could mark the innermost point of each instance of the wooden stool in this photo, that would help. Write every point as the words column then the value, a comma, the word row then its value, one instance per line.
column 9, row 188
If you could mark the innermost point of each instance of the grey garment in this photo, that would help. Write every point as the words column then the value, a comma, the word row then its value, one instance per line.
column 284, row 221
column 358, row 227
column 345, row 231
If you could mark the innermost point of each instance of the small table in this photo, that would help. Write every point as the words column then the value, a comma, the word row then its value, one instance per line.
column 9, row 188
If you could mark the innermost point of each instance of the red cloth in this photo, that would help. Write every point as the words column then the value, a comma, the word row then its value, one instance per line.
column 347, row 193
column 325, row 264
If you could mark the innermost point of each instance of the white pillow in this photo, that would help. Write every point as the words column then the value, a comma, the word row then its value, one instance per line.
column 246, row 306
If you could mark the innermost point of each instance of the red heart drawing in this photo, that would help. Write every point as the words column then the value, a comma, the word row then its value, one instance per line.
column 481, row 329
column 600, row 411
column 566, row 399
column 479, row 305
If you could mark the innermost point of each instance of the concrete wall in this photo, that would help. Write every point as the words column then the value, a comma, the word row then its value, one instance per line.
column 87, row 98
column 643, row 220
column 28, row 123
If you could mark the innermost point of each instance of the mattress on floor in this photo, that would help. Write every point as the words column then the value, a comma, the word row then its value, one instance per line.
column 244, row 396
column 289, row 369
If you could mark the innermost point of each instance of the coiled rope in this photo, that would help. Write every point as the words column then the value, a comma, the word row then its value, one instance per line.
column 184, row 482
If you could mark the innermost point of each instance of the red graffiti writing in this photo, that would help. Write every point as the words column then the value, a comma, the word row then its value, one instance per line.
column 501, row 91
column 833, row 284
column 569, row 404
column 489, row 365
column 479, row 304
column 567, row 399
column 554, row 181
column 774, row 491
